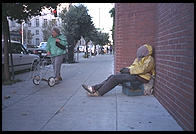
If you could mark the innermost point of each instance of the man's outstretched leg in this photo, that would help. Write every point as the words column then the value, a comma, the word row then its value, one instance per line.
column 93, row 89
column 109, row 84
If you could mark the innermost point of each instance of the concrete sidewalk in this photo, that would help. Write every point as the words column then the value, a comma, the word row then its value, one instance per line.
column 66, row 106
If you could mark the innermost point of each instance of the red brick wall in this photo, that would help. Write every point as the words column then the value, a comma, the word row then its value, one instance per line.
column 134, row 26
column 169, row 29
column 174, row 54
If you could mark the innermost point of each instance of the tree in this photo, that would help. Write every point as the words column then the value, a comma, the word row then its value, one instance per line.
column 102, row 38
column 20, row 12
column 112, row 12
column 76, row 23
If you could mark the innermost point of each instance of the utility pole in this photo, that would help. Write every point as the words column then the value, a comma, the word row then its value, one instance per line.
column 22, row 32
column 99, row 17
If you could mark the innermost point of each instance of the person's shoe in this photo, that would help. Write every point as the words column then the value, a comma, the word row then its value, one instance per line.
column 95, row 94
column 88, row 88
column 60, row 78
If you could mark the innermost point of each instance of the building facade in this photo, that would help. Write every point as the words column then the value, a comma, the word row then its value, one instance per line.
column 33, row 34
column 169, row 28
column 33, row 28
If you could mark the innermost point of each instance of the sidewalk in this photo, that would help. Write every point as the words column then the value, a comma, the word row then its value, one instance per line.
column 66, row 106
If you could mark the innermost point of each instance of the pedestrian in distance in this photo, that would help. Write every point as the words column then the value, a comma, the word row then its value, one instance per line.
column 139, row 72
column 110, row 49
column 56, row 48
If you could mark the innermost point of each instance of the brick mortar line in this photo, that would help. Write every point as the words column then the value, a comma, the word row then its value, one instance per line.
column 171, row 112
column 171, row 100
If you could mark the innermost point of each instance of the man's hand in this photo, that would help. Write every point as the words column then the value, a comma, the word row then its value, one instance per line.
column 125, row 71
column 48, row 53
column 57, row 40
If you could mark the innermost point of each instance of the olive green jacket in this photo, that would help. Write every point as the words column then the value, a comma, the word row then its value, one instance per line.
column 53, row 49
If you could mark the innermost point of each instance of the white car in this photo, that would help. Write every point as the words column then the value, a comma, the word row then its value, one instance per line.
column 21, row 58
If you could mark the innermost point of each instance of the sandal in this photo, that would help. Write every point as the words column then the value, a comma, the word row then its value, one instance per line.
column 95, row 94
column 88, row 88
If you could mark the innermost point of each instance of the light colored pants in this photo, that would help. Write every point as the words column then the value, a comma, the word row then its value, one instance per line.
column 57, row 61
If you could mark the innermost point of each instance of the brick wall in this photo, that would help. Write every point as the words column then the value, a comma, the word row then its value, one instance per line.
column 132, row 29
column 169, row 29
column 174, row 54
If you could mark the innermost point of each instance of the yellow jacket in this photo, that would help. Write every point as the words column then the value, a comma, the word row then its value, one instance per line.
column 145, row 67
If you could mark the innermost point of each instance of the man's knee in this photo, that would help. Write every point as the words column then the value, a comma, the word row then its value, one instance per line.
column 115, row 78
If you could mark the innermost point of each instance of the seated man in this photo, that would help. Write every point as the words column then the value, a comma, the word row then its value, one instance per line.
column 141, row 71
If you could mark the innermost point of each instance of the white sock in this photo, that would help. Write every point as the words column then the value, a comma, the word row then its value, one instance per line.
column 90, row 88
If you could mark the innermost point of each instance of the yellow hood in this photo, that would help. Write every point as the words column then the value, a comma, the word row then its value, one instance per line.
column 149, row 47
column 144, row 67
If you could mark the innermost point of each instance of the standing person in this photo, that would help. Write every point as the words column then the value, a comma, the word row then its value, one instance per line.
column 140, row 72
column 56, row 47
column 110, row 49
column 102, row 50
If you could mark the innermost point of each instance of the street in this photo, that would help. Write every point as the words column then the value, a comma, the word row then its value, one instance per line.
column 66, row 106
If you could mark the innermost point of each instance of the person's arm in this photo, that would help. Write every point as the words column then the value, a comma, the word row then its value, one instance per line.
column 125, row 70
column 62, row 42
column 142, row 68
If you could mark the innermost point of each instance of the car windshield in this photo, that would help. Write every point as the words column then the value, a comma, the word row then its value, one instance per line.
column 43, row 46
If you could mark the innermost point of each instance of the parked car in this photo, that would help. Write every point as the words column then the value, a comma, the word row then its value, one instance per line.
column 31, row 49
column 41, row 52
column 21, row 58
column 41, row 49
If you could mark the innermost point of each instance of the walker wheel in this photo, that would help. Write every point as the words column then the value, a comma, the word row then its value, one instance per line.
column 51, row 81
column 36, row 80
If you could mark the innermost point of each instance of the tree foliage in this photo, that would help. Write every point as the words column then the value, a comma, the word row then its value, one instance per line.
column 102, row 38
column 24, row 11
column 112, row 13
column 76, row 23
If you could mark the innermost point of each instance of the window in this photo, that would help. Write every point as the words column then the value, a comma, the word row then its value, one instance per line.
column 29, row 31
column 37, row 41
column 37, row 22
column 29, row 34
column 13, row 24
column 29, row 42
column 29, row 24
column 37, row 32
column 54, row 22
column 17, row 48
column 45, row 22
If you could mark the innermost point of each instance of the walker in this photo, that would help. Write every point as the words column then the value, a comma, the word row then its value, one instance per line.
column 39, row 72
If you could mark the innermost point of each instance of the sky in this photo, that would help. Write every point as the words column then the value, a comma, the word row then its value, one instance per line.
column 100, row 15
